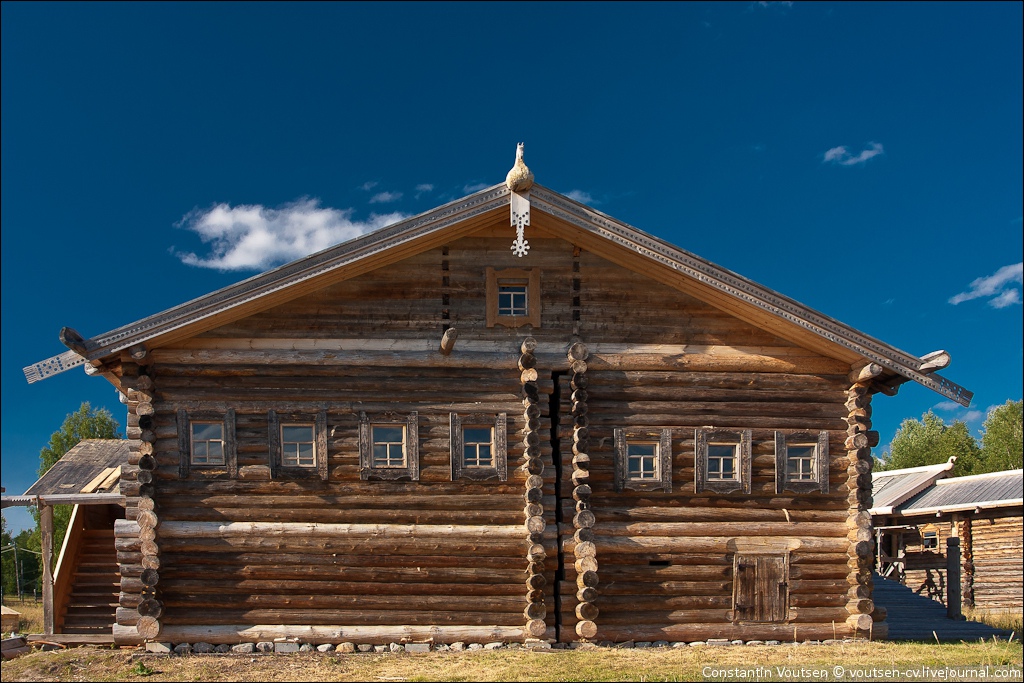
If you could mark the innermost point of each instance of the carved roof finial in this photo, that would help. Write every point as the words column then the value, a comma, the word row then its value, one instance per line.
column 519, row 179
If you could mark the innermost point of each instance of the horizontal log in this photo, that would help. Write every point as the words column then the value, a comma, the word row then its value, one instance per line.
column 451, row 601
column 704, row 631
column 436, row 633
column 354, row 617
column 266, row 530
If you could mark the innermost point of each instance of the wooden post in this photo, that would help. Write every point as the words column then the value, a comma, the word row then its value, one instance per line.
column 953, row 577
column 46, row 537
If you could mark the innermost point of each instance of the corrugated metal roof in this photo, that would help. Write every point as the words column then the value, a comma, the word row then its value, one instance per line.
column 80, row 466
column 894, row 487
column 983, row 488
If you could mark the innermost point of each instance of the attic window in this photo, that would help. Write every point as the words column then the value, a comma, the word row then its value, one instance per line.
column 513, row 297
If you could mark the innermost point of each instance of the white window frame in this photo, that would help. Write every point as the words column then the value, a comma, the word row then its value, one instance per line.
column 527, row 277
column 286, row 456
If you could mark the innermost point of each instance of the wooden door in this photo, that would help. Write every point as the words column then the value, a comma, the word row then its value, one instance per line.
column 760, row 588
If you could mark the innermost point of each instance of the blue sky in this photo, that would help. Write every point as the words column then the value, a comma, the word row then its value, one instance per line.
column 864, row 158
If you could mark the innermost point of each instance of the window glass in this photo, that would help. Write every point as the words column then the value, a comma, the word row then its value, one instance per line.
column 297, row 448
column 722, row 461
column 477, row 449
column 930, row 539
column 207, row 443
column 642, row 461
column 801, row 463
column 512, row 298
column 388, row 446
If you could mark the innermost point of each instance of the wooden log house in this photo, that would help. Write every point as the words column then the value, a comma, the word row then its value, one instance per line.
column 917, row 510
column 423, row 434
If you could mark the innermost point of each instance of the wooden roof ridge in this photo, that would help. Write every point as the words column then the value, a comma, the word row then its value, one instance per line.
column 578, row 215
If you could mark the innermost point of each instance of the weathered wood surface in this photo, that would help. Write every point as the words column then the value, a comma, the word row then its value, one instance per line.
column 478, row 560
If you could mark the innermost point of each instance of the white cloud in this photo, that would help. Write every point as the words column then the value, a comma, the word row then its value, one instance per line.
column 474, row 187
column 782, row 3
column 425, row 187
column 385, row 197
column 254, row 237
column 998, row 286
column 580, row 196
column 841, row 155
column 368, row 185
column 973, row 418
column 947, row 406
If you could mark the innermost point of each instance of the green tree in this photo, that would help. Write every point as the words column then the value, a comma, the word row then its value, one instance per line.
column 1001, row 438
column 8, row 574
column 930, row 441
column 84, row 423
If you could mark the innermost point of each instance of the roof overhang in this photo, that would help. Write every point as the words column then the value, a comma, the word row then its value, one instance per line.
column 551, row 212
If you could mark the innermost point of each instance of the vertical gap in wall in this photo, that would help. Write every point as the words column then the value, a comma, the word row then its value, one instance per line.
column 554, row 406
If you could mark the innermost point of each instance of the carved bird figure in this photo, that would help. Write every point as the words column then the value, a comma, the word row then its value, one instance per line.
column 519, row 179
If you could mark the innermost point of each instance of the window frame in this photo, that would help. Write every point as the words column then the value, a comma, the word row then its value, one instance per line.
column 499, row 446
column 663, row 439
column 709, row 436
column 312, row 442
column 494, row 278
column 821, row 456
column 409, row 423
column 321, row 455
column 185, row 421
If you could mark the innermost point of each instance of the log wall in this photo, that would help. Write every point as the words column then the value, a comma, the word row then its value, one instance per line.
column 249, row 554
column 997, row 554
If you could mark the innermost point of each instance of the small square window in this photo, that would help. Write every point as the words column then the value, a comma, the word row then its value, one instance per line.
column 388, row 446
column 513, row 297
column 801, row 462
column 722, row 460
column 298, row 446
column 207, row 443
column 643, row 461
column 478, row 447
column 930, row 540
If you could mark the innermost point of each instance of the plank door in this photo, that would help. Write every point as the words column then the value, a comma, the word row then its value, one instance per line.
column 760, row 588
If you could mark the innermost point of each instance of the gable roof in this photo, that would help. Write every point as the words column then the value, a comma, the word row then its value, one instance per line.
column 891, row 488
column 553, row 213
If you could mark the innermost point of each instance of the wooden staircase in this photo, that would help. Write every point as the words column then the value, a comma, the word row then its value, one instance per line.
column 88, row 582
column 95, row 586
column 916, row 617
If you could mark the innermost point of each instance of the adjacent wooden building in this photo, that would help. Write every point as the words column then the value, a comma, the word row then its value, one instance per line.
column 916, row 510
column 423, row 434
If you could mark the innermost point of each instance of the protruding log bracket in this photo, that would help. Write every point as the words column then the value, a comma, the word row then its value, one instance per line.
column 883, row 381
column 70, row 338
column 448, row 341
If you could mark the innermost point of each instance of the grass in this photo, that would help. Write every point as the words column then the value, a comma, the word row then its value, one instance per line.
column 597, row 664
column 1011, row 620
column 31, row 615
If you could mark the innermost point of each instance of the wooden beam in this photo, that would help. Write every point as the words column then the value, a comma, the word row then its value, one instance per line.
column 448, row 340
column 46, row 536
